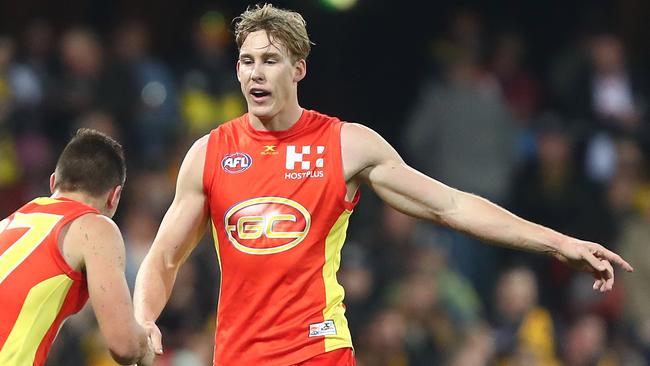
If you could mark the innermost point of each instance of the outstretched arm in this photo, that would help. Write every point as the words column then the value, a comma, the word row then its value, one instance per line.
column 182, row 227
column 97, row 242
column 369, row 159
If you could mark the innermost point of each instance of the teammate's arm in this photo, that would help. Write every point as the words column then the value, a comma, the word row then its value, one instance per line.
column 369, row 159
column 182, row 227
column 97, row 242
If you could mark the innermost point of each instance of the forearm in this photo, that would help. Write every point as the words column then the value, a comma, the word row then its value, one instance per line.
column 417, row 195
column 181, row 228
column 485, row 220
column 153, row 286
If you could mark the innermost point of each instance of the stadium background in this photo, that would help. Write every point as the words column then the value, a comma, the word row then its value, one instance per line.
column 541, row 106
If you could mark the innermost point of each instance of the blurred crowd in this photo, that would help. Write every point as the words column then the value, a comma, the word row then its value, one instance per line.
column 566, row 147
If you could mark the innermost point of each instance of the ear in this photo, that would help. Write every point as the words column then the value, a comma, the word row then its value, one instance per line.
column 52, row 182
column 237, row 67
column 300, row 70
column 113, row 198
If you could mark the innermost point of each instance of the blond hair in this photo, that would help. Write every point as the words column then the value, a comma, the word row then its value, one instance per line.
column 284, row 26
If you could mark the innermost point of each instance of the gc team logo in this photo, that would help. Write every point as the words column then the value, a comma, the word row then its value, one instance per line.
column 266, row 225
column 237, row 162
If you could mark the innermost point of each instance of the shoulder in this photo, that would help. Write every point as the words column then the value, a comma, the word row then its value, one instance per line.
column 357, row 130
column 196, row 154
column 362, row 147
column 93, row 227
column 193, row 166
column 200, row 145
column 360, row 139
column 91, row 232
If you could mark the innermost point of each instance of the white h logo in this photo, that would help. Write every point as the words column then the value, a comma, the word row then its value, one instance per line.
column 294, row 157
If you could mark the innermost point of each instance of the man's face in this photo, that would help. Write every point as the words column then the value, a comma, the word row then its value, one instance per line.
column 267, row 76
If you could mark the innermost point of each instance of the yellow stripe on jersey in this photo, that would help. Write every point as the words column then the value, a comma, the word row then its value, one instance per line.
column 39, row 225
column 216, row 244
column 44, row 201
column 216, row 247
column 334, row 292
column 39, row 311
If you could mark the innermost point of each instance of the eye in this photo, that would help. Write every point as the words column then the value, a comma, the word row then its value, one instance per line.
column 271, row 61
column 246, row 61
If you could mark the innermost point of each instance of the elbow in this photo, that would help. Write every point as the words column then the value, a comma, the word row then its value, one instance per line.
column 126, row 356
column 158, row 263
column 127, row 352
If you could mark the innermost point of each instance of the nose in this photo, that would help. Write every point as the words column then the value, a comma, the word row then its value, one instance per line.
column 256, row 74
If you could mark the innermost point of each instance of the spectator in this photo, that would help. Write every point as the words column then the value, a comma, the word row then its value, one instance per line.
column 524, row 332
column 586, row 343
column 155, row 110
column 461, row 129
column 209, row 91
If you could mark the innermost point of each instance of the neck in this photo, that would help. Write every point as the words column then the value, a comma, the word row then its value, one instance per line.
column 284, row 120
column 89, row 200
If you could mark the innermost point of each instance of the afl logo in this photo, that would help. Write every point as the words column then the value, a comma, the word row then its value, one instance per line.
column 237, row 162
column 266, row 225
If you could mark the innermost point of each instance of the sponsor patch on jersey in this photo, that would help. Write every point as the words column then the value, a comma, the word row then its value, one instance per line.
column 236, row 163
column 270, row 150
column 322, row 329
column 304, row 158
column 304, row 162
column 266, row 225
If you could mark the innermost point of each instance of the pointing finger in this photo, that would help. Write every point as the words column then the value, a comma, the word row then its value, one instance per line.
column 614, row 258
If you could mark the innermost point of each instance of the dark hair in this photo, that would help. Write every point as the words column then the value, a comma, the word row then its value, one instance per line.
column 92, row 163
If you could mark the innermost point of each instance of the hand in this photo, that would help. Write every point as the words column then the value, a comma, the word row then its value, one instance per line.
column 594, row 258
column 154, row 344
column 154, row 335
column 149, row 355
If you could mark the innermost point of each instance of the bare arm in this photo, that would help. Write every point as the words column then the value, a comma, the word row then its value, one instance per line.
column 369, row 159
column 182, row 227
column 97, row 241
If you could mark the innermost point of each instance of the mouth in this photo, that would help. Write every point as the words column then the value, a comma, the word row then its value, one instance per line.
column 259, row 95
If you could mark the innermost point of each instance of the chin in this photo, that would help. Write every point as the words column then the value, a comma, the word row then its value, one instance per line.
column 261, row 112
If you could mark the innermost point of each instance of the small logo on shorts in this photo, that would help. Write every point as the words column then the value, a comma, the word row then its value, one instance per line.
column 322, row 329
column 237, row 162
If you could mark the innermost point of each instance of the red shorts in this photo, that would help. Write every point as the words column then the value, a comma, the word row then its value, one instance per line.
column 338, row 357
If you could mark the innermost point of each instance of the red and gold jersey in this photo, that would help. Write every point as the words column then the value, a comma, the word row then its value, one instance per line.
column 38, row 289
column 279, row 217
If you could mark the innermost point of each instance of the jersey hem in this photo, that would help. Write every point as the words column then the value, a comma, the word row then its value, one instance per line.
column 298, row 359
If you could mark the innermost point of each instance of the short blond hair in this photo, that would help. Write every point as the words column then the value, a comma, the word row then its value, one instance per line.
column 285, row 26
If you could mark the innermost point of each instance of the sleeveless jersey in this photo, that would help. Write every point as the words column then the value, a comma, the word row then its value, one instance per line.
column 279, row 218
column 38, row 289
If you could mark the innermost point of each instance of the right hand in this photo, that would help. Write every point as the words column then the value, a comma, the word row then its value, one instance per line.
column 155, row 337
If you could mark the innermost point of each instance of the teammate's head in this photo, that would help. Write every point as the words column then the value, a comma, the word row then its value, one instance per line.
column 282, row 26
column 273, row 45
column 92, row 164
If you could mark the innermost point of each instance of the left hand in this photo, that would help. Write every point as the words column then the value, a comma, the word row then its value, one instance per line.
column 594, row 258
